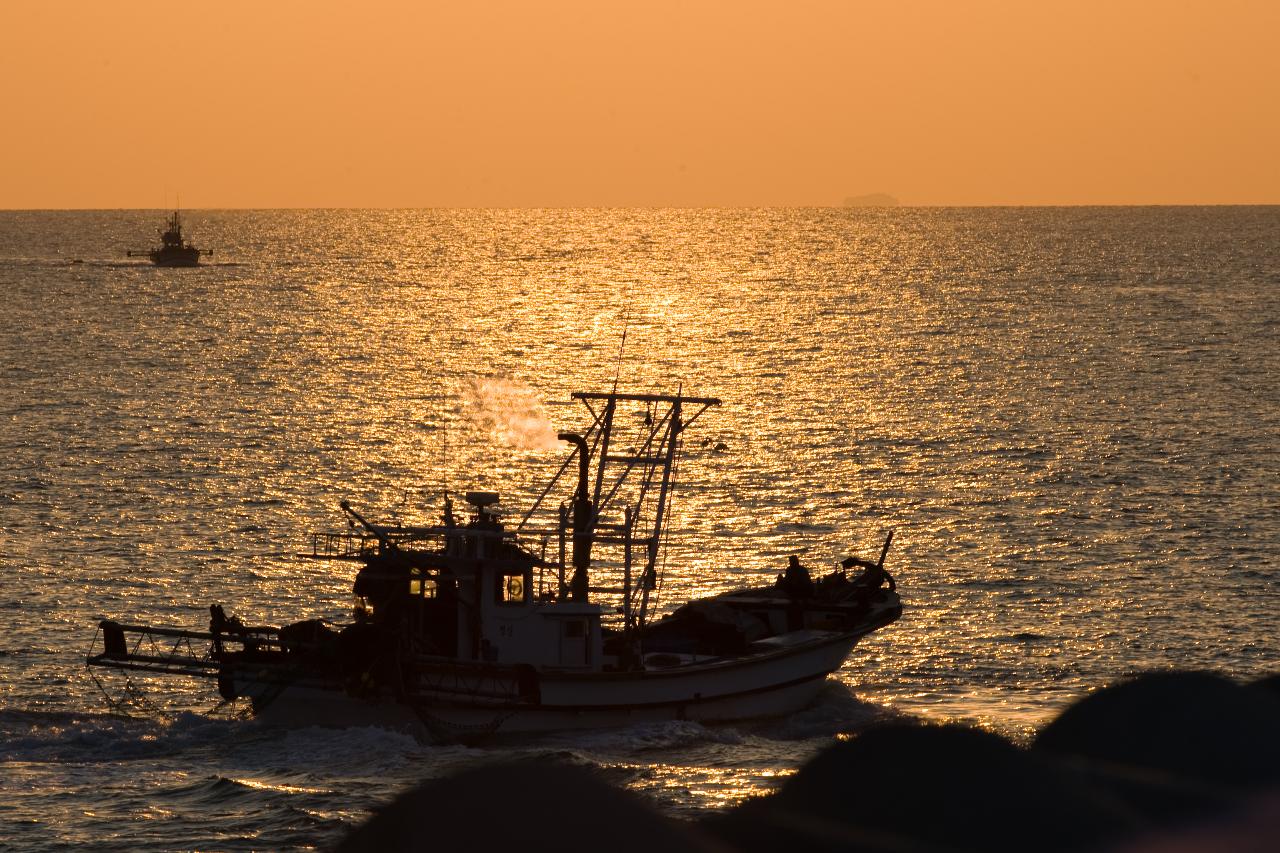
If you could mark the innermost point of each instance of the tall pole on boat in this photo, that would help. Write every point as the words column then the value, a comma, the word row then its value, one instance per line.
column 885, row 550
column 649, row 579
column 583, row 520
column 564, row 525
column 606, row 432
column 626, row 569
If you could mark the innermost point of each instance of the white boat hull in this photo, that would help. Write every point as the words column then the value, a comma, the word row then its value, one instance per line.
column 771, row 683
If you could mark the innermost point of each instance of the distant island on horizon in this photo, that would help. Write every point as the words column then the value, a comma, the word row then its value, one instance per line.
column 871, row 200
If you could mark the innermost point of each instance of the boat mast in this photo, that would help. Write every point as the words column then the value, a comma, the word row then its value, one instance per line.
column 656, row 450
column 606, row 433
column 649, row 579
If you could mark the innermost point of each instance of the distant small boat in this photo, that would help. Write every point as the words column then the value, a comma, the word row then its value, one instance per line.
column 173, row 251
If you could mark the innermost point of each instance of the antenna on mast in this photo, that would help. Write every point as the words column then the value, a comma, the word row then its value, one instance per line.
column 626, row 319
column 444, row 475
column 444, row 438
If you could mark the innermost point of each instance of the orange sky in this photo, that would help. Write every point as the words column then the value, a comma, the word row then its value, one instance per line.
column 407, row 103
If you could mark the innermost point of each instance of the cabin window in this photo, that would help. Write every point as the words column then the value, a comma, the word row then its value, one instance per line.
column 512, row 589
column 425, row 587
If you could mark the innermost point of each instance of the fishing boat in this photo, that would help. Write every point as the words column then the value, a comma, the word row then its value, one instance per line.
column 173, row 250
column 481, row 624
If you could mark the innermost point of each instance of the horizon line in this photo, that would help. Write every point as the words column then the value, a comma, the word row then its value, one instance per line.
column 4, row 209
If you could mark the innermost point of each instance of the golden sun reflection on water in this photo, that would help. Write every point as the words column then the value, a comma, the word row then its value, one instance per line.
column 1075, row 446
column 704, row 788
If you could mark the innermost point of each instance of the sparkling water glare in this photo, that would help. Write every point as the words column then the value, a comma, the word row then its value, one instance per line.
column 1068, row 416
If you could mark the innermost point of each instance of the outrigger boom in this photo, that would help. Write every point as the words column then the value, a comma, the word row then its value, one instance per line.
column 180, row 657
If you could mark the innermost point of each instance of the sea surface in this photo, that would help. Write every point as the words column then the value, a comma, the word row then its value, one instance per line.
column 1070, row 417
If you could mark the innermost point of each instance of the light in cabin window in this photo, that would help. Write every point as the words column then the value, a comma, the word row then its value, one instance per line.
column 425, row 587
column 511, row 589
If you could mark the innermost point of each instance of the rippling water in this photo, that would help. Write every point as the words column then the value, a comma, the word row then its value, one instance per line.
column 1069, row 416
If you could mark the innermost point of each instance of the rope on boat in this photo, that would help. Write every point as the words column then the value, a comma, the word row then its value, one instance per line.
column 447, row 731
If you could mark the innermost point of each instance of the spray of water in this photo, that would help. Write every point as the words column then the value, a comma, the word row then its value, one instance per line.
column 512, row 412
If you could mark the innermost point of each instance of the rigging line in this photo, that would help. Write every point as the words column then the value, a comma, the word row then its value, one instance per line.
column 666, row 531
column 676, row 438
column 649, row 470
column 595, row 444
column 545, row 492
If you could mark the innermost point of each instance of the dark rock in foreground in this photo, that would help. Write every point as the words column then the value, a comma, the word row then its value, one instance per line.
column 523, row 807
column 1195, row 726
column 1166, row 763
column 948, row 787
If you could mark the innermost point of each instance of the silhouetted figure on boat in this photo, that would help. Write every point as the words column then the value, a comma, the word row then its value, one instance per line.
column 220, row 623
column 796, row 582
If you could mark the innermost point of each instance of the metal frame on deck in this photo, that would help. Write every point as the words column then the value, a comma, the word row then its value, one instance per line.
column 654, row 459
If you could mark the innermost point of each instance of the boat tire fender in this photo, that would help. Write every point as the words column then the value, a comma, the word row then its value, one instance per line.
column 528, row 684
column 227, row 685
